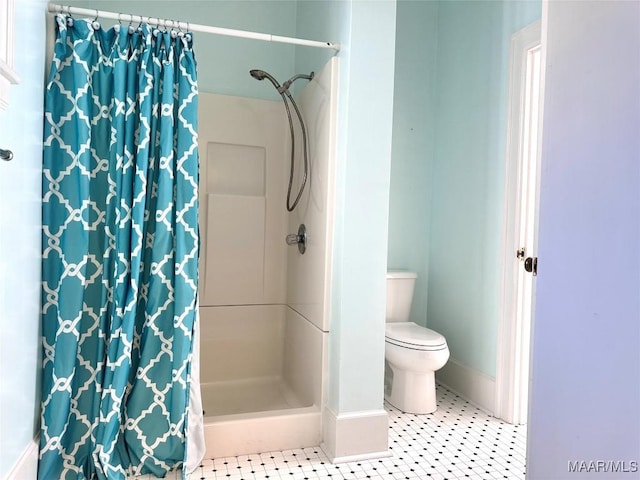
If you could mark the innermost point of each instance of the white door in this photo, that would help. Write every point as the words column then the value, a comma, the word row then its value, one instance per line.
column 521, row 204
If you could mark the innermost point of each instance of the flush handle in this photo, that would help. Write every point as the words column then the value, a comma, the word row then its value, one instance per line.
column 299, row 239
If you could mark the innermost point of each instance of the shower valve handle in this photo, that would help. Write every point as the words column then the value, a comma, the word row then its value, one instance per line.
column 299, row 239
column 293, row 239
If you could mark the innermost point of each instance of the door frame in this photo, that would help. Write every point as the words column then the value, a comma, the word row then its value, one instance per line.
column 514, row 340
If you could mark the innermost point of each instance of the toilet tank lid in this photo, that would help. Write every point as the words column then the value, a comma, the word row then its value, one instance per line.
column 401, row 274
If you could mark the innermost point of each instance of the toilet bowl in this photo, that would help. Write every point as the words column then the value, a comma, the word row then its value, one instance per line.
column 412, row 353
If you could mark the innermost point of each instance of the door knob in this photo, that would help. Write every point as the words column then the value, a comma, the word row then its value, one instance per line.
column 531, row 265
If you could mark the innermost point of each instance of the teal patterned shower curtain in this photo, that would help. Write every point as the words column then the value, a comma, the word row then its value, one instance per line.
column 120, row 251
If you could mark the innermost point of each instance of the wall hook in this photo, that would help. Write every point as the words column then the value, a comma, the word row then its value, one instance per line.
column 6, row 154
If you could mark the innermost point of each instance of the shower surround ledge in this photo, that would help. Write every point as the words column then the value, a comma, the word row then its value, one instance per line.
column 354, row 436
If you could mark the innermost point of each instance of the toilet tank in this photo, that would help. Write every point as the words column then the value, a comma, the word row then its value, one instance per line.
column 400, row 285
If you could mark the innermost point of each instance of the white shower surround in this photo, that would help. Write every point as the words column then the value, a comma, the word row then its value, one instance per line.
column 264, row 307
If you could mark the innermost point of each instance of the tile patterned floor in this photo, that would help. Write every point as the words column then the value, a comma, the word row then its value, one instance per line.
column 459, row 441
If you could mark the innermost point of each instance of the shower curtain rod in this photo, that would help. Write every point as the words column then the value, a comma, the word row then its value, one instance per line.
column 127, row 17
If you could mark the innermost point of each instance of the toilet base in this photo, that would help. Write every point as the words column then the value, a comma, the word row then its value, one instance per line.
column 413, row 392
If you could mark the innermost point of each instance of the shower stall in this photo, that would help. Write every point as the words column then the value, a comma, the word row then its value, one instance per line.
column 263, row 304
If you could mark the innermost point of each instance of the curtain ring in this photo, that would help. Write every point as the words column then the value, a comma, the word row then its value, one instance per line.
column 154, row 25
column 180, row 32
column 70, row 18
column 119, row 19
column 174, row 32
column 95, row 24
column 130, row 27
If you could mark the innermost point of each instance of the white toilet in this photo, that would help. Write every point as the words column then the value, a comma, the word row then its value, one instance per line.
column 412, row 353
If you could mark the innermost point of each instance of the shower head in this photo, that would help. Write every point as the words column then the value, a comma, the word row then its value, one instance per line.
column 284, row 88
column 258, row 74
column 261, row 75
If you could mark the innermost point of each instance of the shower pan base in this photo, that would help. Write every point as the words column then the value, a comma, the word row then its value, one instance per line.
column 260, row 394
column 257, row 415
column 260, row 380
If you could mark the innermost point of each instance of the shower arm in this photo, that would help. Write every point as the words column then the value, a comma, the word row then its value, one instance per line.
column 288, row 83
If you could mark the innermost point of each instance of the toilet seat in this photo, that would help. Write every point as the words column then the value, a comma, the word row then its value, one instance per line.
column 413, row 336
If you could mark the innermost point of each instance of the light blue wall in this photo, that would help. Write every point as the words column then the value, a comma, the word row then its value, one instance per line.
column 331, row 20
column 587, row 324
column 20, row 230
column 224, row 62
column 448, row 164
column 468, row 174
column 366, row 29
column 467, row 181
column 364, row 159
column 413, row 144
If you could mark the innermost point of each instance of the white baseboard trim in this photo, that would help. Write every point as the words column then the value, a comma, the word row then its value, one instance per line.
column 474, row 386
column 26, row 468
column 361, row 457
column 355, row 436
